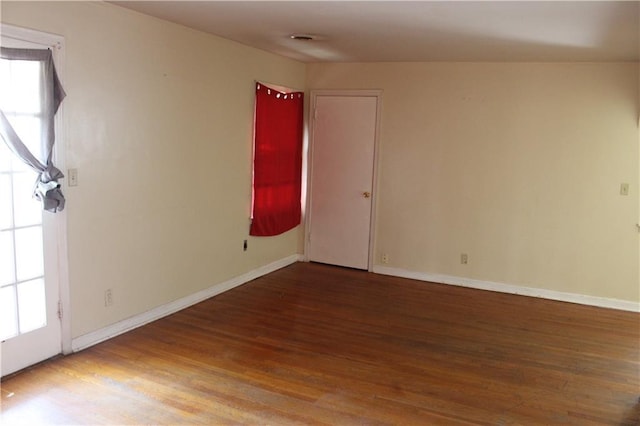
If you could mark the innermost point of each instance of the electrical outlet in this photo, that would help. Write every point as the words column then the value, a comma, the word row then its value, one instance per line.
column 464, row 258
column 385, row 258
column 108, row 298
column 624, row 189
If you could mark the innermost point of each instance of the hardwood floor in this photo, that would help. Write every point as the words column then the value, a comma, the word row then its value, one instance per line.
column 315, row 344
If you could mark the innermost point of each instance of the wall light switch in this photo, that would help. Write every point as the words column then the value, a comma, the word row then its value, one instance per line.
column 72, row 174
column 624, row 189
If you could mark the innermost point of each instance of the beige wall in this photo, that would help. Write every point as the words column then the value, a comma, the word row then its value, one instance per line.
column 518, row 165
column 159, row 121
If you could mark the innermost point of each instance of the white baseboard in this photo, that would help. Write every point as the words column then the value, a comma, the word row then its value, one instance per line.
column 582, row 299
column 95, row 337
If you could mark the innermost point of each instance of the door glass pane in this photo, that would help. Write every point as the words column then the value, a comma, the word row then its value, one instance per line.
column 28, row 128
column 24, row 88
column 29, row 255
column 7, row 273
column 8, row 317
column 5, row 84
column 28, row 210
column 6, row 212
column 5, row 156
column 32, row 305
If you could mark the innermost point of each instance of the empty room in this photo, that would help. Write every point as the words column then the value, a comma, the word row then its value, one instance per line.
column 320, row 212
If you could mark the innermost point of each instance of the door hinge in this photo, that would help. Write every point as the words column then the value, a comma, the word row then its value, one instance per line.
column 59, row 309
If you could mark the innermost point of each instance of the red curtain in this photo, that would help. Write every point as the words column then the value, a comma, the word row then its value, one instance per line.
column 277, row 161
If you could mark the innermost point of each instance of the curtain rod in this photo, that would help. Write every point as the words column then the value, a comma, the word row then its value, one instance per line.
column 279, row 87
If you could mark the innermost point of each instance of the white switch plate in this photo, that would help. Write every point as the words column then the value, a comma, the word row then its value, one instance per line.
column 72, row 174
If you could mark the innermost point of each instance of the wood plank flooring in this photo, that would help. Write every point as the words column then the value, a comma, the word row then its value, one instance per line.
column 316, row 344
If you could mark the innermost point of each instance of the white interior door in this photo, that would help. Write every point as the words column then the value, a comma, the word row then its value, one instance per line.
column 341, row 186
column 30, row 328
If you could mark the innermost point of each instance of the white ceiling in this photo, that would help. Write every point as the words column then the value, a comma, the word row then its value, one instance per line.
column 371, row 31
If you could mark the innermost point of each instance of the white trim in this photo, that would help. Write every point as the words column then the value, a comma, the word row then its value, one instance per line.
column 375, row 184
column 60, row 158
column 582, row 299
column 54, row 41
column 95, row 337
column 377, row 93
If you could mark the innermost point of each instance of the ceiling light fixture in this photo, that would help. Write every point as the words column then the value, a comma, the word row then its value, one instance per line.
column 302, row 37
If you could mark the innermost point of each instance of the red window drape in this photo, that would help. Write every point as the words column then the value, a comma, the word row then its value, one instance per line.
column 277, row 161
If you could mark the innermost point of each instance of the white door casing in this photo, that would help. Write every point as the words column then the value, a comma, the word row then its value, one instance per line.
column 342, row 184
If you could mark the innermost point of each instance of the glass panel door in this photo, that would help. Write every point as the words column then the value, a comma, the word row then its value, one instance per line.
column 29, row 327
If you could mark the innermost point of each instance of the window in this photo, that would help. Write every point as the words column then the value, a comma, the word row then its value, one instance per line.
column 277, row 161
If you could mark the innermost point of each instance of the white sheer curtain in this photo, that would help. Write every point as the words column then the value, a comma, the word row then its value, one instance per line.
column 51, row 94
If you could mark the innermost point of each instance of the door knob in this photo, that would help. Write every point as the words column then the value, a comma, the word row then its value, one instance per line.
column 366, row 194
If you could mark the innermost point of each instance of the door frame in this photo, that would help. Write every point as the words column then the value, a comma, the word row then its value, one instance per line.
column 308, row 165
column 59, row 224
